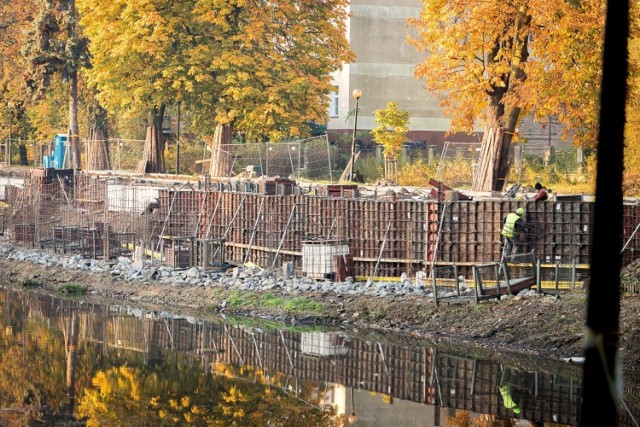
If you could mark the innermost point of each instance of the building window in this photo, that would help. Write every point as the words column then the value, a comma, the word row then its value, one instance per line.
column 333, row 103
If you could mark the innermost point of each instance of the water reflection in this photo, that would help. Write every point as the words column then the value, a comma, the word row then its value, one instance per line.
column 108, row 365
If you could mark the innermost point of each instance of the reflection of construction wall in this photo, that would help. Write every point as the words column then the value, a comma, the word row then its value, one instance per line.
column 470, row 384
column 408, row 372
column 322, row 344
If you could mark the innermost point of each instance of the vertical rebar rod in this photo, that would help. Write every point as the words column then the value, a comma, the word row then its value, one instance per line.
column 253, row 232
column 284, row 233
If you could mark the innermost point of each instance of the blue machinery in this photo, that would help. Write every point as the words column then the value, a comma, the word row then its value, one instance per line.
column 59, row 158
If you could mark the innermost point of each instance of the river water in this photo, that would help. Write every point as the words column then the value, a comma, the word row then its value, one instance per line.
column 68, row 362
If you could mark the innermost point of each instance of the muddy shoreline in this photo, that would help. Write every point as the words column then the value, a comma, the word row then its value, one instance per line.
column 545, row 326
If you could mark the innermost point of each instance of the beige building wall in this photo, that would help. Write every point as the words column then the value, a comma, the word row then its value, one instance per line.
column 383, row 68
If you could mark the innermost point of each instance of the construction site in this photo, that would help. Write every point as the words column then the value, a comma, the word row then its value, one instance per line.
column 328, row 232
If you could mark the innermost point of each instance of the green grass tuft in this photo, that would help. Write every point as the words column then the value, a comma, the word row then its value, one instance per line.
column 252, row 300
column 74, row 289
column 31, row 283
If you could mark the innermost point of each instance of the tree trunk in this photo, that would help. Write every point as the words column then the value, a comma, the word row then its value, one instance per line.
column 492, row 170
column 24, row 158
column 74, row 137
column 72, row 359
column 74, row 132
column 391, row 168
column 220, row 165
column 98, row 149
column 98, row 141
column 153, row 156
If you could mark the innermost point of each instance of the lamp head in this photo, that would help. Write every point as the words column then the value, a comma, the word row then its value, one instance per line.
column 357, row 93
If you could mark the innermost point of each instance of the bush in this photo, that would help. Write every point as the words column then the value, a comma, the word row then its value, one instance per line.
column 371, row 168
column 416, row 174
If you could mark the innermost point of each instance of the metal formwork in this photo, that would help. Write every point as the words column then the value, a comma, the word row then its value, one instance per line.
column 386, row 235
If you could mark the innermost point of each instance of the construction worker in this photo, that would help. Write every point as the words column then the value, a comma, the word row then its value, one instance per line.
column 513, row 226
column 541, row 193
column 507, row 399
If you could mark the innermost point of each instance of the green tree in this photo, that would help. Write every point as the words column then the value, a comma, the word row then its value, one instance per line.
column 495, row 61
column 391, row 133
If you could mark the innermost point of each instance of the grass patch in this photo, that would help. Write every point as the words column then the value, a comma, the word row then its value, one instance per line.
column 31, row 283
column 74, row 289
column 249, row 300
column 576, row 299
column 241, row 299
column 303, row 304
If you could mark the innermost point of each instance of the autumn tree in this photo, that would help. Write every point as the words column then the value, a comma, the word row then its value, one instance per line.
column 16, row 17
column 494, row 62
column 391, row 133
column 140, row 61
column 258, row 67
column 269, row 66
column 632, row 129
column 54, row 46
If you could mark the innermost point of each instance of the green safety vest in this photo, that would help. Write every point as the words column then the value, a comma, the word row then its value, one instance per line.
column 509, row 228
column 507, row 400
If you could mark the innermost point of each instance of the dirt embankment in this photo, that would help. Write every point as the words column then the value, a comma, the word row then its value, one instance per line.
column 546, row 326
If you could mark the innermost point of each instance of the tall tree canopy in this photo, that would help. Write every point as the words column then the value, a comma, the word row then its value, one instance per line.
column 271, row 62
column 632, row 130
column 493, row 62
column 258, row 66
column 16, row 17
column 140, row 61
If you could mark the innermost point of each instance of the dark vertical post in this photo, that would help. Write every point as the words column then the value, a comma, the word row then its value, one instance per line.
column 178, row 143
column 10, row 138
column 601, row 402
column 357, row 93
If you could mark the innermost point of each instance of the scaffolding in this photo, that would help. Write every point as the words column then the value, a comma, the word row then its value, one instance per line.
column 207, row 224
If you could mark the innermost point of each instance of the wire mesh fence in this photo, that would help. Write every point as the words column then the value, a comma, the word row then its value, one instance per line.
column 312, row 158
column 457, row 163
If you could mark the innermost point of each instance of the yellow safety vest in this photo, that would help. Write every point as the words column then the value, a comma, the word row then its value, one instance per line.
column 509, row 228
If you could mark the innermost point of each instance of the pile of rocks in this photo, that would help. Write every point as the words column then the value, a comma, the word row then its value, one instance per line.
column 244, row 279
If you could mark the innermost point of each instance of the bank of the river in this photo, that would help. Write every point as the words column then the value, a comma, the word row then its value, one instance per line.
column 546, row 326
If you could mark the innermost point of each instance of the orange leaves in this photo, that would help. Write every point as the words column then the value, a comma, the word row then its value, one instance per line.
column 538, row 55
column 472, row 48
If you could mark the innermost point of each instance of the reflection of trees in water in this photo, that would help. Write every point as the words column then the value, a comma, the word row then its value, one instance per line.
column 135, row 364
column 174, row 394
column 33, row 366
column 44, row 366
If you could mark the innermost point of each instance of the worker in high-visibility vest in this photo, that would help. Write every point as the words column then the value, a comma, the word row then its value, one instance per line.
column 513, row 226
column 507, row 399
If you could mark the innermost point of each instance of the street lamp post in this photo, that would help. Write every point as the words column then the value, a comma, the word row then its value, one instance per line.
column 357, row 94
column 178, row 143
